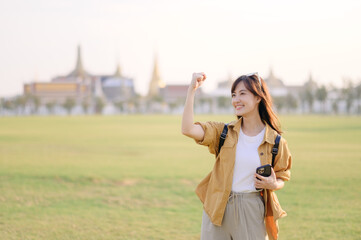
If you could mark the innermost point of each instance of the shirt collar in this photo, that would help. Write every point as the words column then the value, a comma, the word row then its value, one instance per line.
column 269, row 136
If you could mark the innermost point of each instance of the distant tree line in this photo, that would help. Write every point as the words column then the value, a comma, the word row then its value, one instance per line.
column 30, row 104
column 328, row 100
column 350, row 94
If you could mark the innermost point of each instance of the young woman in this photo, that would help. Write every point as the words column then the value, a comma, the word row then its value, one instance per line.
column 232, row 206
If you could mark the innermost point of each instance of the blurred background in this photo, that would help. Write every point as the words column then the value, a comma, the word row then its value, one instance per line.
column 111, row 57
column 91, row 97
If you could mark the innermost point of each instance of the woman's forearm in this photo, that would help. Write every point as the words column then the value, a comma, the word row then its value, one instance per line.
column 280, row 184
column 188, row 128
column 187, row 119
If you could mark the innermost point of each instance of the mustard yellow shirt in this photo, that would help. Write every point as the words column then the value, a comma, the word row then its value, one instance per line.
column 215, row 188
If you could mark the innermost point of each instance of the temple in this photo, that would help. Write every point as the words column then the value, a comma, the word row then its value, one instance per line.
column 83, row 86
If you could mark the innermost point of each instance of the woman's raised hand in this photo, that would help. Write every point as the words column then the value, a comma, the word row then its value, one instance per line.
column 197, row 80
column 190, row 129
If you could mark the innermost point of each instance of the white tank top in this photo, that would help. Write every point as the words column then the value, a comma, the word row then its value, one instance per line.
column 247, row 161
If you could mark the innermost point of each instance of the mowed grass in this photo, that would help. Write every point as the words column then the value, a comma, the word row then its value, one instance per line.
column 133, row 177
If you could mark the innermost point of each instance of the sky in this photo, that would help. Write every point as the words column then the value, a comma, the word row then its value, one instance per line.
column 223, row 38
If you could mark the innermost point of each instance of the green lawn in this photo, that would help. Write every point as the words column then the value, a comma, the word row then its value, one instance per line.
column 133, row 177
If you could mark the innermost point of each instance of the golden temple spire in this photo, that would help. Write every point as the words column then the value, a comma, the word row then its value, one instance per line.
column 79, row 69
column 156, row 83
column 118, row 72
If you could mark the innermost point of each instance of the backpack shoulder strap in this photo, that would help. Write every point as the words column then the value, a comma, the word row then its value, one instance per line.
column 223, row 137
column 275, row 148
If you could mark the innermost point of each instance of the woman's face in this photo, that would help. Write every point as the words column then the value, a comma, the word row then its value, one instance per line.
column 243, row 101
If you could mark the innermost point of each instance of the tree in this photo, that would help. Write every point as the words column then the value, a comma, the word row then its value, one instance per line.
column 33, row 101
column 99, row 105
column 136, row 101
column 131, row 106
column 85, row 106
column 309, row 97
column 358, row 97
column 133, row 102
column 223, row 102
column 37, row 103
column 155, row 104
column 120, row 105
column 204, row 102
column 335, row 106
column 173, row 105
column 50, row 106
column 69, row 104
column 302, row 96
column 8, row 104
column 348, row 94
column 1, row 104
column 321, row 95
column 20, row 103
column 157, row 98
column 290, row 102
column 279, row 103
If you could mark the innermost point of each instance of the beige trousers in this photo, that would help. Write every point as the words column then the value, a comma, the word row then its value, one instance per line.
column 243, row 219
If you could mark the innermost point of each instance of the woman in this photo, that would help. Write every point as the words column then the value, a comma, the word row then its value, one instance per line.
column 233, row 208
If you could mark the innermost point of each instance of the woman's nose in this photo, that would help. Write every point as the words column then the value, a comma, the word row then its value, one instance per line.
column 237, row 99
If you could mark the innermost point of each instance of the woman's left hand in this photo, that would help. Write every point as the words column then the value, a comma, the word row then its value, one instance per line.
column 266, row 182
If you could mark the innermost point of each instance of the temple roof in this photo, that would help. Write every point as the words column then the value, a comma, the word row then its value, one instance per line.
column 272, row 81
column 79, row 69
column 311, row 84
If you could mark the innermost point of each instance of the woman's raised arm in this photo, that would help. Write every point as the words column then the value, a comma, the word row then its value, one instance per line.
column 190, row 129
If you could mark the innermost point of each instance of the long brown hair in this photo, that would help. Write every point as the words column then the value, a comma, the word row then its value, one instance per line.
column 265, row 106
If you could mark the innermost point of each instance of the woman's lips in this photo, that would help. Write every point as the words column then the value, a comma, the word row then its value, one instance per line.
column 238, row 107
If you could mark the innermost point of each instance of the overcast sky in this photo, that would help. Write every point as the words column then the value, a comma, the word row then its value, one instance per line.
column 222, row 38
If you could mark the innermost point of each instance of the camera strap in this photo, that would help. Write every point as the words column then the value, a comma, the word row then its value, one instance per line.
column 275, row 148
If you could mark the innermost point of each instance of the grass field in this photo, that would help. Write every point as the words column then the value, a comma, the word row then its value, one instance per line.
column 133, row 177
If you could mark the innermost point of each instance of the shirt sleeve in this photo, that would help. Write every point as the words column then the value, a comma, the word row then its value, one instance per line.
column 212, row 133
column 283, row 161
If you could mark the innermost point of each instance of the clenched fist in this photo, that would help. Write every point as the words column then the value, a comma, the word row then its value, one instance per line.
column 197, row 80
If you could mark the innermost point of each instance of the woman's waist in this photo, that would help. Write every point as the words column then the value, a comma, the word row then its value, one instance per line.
column 245, row 194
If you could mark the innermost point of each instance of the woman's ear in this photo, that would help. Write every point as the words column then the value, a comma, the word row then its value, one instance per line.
column 258, row 99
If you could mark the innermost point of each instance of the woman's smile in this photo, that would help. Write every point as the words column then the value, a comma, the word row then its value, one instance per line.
column 239, row 106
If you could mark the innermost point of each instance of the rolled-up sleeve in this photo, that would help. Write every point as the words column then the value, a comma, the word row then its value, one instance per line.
column 283, row 162
column 212, row 132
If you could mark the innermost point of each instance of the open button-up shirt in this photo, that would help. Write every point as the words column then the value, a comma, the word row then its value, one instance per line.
column 215, row 188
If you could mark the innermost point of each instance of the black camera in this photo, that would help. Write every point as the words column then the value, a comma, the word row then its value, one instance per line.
column 264, row 171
